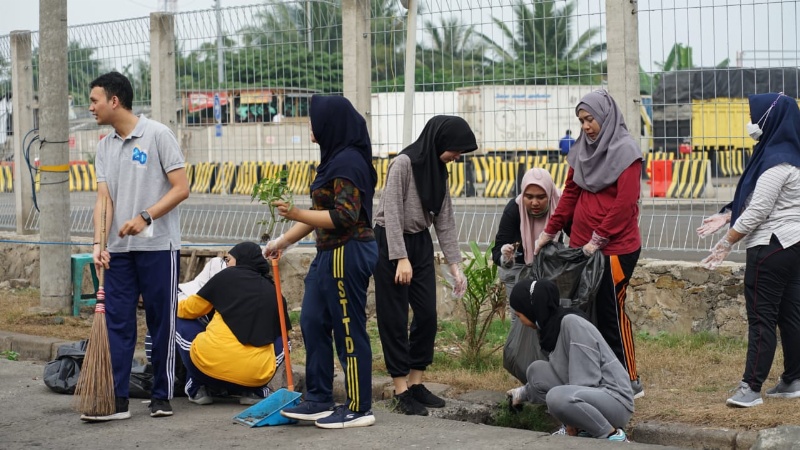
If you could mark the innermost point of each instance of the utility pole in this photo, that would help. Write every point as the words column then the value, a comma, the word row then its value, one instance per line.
column 218, row 95
column 54, row 220
column 622, row 36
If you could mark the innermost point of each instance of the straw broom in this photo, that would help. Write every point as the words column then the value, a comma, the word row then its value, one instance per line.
column 95, row 388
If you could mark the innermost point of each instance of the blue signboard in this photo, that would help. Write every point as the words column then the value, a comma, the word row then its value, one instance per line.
column 217, row 109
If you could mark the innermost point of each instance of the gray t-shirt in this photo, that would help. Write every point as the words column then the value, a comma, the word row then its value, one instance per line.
column 135, row 171
column 400, row 211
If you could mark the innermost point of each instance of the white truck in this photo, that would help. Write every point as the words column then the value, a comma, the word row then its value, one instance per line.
column 504, row 118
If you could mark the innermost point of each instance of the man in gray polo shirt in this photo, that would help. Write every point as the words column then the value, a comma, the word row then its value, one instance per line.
column 141, row 179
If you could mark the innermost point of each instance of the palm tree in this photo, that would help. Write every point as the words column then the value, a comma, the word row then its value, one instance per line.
column 388, row 25
column 456, row 54
column 543, row 29
column 313, row 25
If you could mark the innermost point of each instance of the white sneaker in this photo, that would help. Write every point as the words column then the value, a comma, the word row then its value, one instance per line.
column 201, row 397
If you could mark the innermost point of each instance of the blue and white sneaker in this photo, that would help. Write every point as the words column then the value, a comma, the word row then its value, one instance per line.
column 309, row 411
column 618, row 436
column 342, row 417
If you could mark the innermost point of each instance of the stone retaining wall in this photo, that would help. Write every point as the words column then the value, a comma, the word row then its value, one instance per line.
column 669, row 296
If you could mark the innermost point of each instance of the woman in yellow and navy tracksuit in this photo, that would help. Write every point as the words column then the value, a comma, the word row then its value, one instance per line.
column 334, row 303
column 236, row 351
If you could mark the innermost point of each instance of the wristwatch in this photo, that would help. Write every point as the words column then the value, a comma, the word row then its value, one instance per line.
column 146, row 216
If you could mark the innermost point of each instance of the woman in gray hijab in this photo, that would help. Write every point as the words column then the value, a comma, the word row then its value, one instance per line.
column 600, row 200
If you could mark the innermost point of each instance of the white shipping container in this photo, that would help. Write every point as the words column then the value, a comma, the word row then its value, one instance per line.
column 521, row 117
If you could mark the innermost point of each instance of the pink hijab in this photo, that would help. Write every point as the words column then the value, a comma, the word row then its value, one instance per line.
column 530, row 227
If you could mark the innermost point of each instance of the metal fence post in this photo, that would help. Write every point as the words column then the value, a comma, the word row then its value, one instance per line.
column 54, row 276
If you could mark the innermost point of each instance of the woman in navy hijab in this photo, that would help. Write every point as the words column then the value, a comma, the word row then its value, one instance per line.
column 334, row 303
column 765, row 215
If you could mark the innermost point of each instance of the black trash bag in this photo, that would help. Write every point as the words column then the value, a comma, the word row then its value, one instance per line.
column 61, row 374
column 578, row 278
column 141, row 384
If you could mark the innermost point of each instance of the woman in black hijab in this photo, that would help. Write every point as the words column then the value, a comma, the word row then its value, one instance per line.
column 238, row 350
column 416, row 196
column 335, row 298
column 583, row 383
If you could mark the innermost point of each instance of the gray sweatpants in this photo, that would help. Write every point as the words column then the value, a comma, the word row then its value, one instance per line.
column 586, row 408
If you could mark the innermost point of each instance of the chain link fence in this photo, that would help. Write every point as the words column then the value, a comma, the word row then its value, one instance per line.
column 514, row 70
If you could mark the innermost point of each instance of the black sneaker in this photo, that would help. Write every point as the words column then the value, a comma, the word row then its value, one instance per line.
column 120, row 412
column 425, row 397
column 160, row 408
column 405, row 404
column 342, row 417
column 309, row 411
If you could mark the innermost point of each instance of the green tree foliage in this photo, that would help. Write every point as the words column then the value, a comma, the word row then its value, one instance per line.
column 82, row 68
column 544, row 29
column 139, row 73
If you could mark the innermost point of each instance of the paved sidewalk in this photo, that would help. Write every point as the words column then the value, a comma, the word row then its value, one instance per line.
column 32, row 415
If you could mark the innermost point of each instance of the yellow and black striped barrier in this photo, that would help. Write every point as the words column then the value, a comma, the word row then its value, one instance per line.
column 455, row 172
column 381, row 166
column 689, row 178
column 6, row 178
column 204, row 177
column 225, row 178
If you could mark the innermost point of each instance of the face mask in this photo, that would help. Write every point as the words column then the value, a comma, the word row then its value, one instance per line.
column 754, row 129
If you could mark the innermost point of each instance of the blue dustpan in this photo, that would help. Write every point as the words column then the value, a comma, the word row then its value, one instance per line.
column 268, row 411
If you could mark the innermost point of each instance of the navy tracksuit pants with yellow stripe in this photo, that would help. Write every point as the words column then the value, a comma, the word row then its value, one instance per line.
column 334, row 311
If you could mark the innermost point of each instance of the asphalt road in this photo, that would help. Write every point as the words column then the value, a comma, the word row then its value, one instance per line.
column 34, row 417
column 667, row 225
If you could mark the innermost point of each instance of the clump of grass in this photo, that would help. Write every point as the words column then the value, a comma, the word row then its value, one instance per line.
column 527, row 417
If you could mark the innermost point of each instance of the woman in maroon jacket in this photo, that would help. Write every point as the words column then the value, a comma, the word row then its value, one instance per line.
column 600, row 200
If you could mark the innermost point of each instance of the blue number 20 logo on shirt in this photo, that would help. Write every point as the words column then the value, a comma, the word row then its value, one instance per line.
column 139, row 156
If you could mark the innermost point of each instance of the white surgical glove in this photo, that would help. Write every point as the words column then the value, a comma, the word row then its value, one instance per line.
column 274, row 247
column 507, row 255
column 713, row 223
column 718, row 254
column 598, row 242
column 543, row 239
column 459, row 280
column 517, row 395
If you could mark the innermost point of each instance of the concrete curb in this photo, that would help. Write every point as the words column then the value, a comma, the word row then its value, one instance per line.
column 30, row 347
column 44, row 349
column 692, row 437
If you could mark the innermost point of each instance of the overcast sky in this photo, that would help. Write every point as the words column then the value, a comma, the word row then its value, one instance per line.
column 765, row 30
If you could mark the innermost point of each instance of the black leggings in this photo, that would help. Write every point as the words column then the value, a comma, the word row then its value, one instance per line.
column 404, row 350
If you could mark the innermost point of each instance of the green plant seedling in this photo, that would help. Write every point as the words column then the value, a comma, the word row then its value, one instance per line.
column 10, row 355
column 269, row 190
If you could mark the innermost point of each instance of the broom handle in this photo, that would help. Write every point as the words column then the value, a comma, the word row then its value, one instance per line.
column 284, row 335
column 102, row 271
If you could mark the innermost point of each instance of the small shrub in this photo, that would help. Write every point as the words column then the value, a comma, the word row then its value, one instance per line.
column 484, row 300
column 269, row 190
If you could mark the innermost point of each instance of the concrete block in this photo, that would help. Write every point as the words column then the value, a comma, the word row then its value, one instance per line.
column 681, row 435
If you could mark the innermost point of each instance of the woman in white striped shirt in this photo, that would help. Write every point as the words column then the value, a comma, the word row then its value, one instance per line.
column 765, row 213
